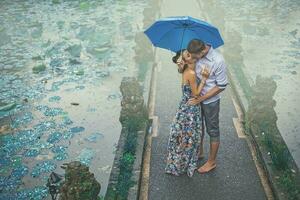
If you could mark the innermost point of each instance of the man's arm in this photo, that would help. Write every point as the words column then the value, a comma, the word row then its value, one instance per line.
column 212, row 92
column 221, row 83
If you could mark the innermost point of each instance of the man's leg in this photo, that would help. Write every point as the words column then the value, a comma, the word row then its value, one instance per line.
column 211, row 113
column 201, row 146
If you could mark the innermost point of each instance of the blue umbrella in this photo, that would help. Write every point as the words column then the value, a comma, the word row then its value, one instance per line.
column 174, row 33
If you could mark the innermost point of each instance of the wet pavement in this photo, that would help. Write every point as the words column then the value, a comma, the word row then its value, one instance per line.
column 234, row 178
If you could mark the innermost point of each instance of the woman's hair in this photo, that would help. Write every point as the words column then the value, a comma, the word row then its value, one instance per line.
column 175, row 58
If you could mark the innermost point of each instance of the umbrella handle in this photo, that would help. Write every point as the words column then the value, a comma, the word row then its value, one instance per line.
column 182, row 40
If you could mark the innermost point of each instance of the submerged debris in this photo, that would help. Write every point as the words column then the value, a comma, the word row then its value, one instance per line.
column 77, row 129
column 66, row 121
column 36, row 193
column 50, row 111
column 94, row 137
column 70, row 133
column 80, row 87
column 24, row 119
column 45, row 126
column 7, row 107
column 54, row 99
column 102, row 74
column 38, row 57
column 79, row 72
column 32, row 152
column 74, row 61
column 19, row 171
column 86, row 156
column 89, row 109
column 43, row 167
column 114, row 96
column 60, row 152
column 54, row 137
column 74, row 50
column 39, row 68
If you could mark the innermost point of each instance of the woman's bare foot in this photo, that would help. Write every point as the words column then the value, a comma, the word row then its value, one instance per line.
column 208, row 166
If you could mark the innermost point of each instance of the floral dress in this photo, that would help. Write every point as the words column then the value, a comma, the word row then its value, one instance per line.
column 184, row 138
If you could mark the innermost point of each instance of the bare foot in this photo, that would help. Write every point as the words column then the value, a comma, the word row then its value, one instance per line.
column 208, row 166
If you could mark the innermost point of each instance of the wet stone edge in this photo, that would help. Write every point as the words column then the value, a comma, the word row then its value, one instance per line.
column 261, row 151
column 133, row 107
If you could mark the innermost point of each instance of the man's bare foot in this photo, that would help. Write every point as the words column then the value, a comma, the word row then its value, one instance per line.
column 208, row 166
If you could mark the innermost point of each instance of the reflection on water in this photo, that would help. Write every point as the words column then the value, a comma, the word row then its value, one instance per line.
column 61, row 66
column 263, row 38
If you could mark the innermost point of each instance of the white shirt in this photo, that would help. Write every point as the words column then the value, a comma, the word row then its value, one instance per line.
column 218, row 77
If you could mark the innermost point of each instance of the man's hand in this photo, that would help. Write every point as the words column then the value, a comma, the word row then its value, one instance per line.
column 195, row 100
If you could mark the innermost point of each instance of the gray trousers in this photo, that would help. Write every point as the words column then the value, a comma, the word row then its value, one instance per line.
column 211, row 118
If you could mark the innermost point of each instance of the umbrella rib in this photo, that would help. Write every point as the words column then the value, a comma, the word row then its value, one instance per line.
column 197, row 34
column 171, row 22
column 179, row 24
column 192, row 26
column 203, row 28
column 194, row 31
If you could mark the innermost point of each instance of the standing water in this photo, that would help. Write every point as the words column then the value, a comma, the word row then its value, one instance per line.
column 61, row 66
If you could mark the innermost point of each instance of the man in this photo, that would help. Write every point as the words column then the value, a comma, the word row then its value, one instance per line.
column 205, row 55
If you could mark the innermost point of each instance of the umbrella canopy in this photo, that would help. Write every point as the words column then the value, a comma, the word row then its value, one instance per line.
column 174, row 33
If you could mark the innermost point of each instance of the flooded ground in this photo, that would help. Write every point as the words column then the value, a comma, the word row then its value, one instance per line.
column 61, row 66
column 262, row 37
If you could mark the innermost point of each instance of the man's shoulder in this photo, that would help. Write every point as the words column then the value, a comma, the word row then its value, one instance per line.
column 218, row 57
column 198, row 62
column 198, row 65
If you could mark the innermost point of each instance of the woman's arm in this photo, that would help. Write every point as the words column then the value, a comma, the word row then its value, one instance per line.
column 196, row 89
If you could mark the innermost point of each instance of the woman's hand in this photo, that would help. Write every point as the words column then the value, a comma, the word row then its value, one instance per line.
column 205, row 73
column 180, row 64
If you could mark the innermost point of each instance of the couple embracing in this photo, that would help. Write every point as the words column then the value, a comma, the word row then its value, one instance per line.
column 204, row 76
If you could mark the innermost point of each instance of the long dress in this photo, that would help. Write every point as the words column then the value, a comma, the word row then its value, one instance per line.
column 184, row 138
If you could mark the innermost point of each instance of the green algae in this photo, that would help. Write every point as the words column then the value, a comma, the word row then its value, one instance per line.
column 39, row 68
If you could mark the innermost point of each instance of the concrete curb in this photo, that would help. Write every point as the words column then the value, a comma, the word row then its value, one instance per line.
column 138, row 165
column 114, row 174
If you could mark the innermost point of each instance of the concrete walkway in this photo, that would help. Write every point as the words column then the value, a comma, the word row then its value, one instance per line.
column 235, row 177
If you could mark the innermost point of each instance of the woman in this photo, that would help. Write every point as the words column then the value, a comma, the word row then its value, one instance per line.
column 185, row 131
